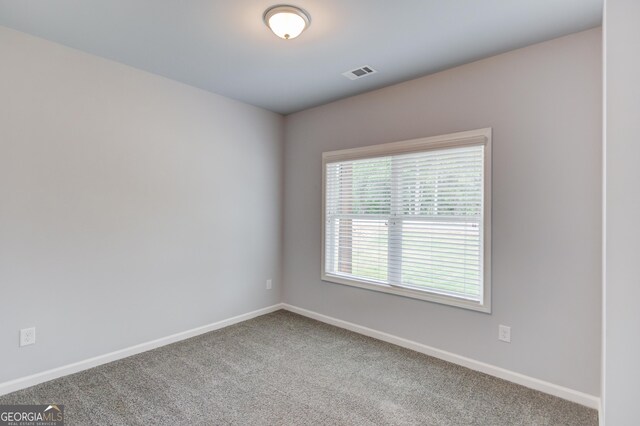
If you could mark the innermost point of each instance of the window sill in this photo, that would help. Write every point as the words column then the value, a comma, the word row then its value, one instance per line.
column 410, row 293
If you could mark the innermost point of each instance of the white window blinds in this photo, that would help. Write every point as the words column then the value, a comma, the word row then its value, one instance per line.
column 411, row 220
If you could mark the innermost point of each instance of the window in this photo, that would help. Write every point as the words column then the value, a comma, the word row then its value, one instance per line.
column 411, row 218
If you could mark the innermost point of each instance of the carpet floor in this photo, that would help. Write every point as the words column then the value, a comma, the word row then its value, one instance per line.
column 285, row 369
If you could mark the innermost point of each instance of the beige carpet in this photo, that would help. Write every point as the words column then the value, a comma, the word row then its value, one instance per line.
column 284, row 369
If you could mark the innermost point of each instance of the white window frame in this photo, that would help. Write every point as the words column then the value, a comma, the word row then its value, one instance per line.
column 453, row 140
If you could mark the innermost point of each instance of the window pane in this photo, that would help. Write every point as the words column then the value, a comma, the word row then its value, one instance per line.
column 361, row 248
column 359, row 187
column 441, row 256
column 441, row 183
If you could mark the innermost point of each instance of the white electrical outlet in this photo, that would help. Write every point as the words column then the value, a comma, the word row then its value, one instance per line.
column 27, row 336
column 504, row 333
column 268, row 284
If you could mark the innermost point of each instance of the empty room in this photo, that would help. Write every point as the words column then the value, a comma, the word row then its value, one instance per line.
column 324, row 212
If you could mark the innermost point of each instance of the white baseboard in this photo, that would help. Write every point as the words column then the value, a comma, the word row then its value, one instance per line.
column 25, row 382
column 530, row 382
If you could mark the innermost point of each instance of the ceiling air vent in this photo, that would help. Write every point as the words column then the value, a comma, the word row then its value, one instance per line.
column 359, row 72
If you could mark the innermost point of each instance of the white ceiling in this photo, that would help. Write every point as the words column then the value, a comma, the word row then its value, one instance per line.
column 224, row 47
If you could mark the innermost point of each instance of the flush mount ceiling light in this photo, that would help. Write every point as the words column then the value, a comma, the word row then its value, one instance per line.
column 286, row 21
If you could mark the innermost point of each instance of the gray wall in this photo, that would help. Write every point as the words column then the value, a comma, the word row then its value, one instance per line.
column 621, row 391
column 132, row 206
column 544, row 104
